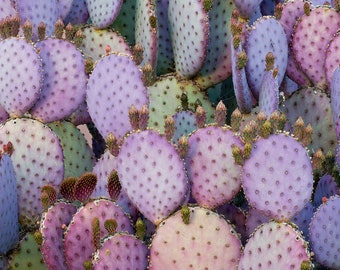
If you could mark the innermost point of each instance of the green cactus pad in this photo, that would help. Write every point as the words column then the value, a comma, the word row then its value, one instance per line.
column 207, row 242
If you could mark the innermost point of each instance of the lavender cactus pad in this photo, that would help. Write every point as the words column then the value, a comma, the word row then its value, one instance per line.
column 78, row 236
column 207, row 242
column 213, row 174
column 325, row 188
column 64, row 80
column 277, row 177
column 20, row 78
column 102, row 13
column 324, row 233
column 78, row 13
column 152, row 174
column 274, row 245
column 184, row 124
column 121, row 251
column 52, row 223
column 109, row 106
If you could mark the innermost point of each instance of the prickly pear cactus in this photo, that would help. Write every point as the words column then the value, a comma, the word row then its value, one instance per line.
column 37, row 160
column 152, row 174
column 195, row 238
column 324, row 233
column 103, row 13
column 78, row 243
column 275, row 245
column 213, row 174
column 9, row 233
column 277, row 177
column 20, row 79
column 121, row 251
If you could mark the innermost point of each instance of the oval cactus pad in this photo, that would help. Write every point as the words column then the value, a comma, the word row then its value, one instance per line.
column 152, row 174
column 20, row 77
column 64, row 80
column 277, row 177
column 274, row 245
column 189, row 31
column 214, row 176
column 114, row 85
column 208, row 241
column 37, row 160
column 102, row 13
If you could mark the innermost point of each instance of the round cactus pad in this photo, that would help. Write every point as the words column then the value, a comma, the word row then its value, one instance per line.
column 103, row 13
column 214, row 176
column 324, row 233
column 207, row 242
column 265, row 35
column 78, row 13
column 277, row 177
column 189, row 31
column 274, row 245
column 20, row 77
column 78, row 236
column 52, row 223
column 37, row 160
column 64, row 82
column 121, row 251
column 152, row 174
column 109, row 106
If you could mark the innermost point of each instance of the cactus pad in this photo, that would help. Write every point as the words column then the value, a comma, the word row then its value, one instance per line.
column 324, row 233
column 121, row 251
column 277, row 177
column 152, row 174
column 78, row 13
column 109, row 106
column 214, row 176
column 20, row 78
column 207, row 242
column 103, row 13
column 274, row 245
column 325, row 188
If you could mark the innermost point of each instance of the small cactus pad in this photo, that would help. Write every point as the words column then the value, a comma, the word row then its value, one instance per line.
column 146, row 31
column 37, row 12
column 325, row 188
column 321, row 23
column 184, row 124
column 152, row 174
column 28, row 255
column 165, row 99
column 96, row 41
column 9, row 233
column 78, row 156
column 332, row 60
column 314, row 107
column 277, row 177
column 265, row 35
column 52, row 226
column 78, row 13
column 189, row 31
column 64, row 80
column 109, row 106
column 291, row 11
column 214, row 176
column 37, row 160
column 217, row 65
column 274, row 245
column 78, row 236
column 303, row 218
column 103, row 13
column 20, row 78
column 121, row 251
column 207, row 242
column 324, row 231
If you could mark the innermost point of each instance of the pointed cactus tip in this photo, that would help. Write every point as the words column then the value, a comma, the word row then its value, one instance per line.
column 266, row 129
column 235, row 120
column 27, row 29
column 238, row 155
column 183, row 146
column 134, row 117
column 307, row 8
column 41, row 31
column 200, row 116
column 59, row 28
column 169, row 127
column 89, row 65
column 220, row 114
column 38, row 237
column 270, row 60
column 114, row 186
column 236, row 41
column 184, row 101
column 69, row 32
column 185, row 212
column 242, row 59
column 140, row 229
column 207, row 5
column 88, row 265
column 318, row 160
column 144, row 115
column 278, row 11
column 95, row 233
column 111, row 226
column 112, row 144
column 137, row 52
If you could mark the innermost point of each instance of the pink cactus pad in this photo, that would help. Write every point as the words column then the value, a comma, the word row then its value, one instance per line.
column 207, row 242
column 64, row 80
column 277, row 177
column 109, row 106
column 152, row 174
column 213, row 174
column 37, row 160
column 189, row 31
column 274, row 245
column 78, row 236
column 20, row 78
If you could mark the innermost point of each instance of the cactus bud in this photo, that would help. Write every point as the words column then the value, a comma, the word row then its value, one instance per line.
column 242, row 59
column 95, row 233
column 38, row 238
column 143, row 117
column 112, row 144
column 235, row 120
column 110, row 226
column 307, row 8
column 59, row 28
column 185, row 211
column 307, row 135
column 265, row 129
column 184, row 101
column 318, row 160
column 183, row 146
column 27, row 30
column 248, row 147
column 137, row 53
column 299, row 128
column 270, row 60
column 238, row 155
column 113, row 185
column 88, row 265
column 89, row 65
column 169, row 127
column 278, row 11
column 250, row 131
column 201, row 116
column 69, row 32
column 220, row 114
column 140, row 229
column 41, row 31
column 78, row 38
column 134, row 117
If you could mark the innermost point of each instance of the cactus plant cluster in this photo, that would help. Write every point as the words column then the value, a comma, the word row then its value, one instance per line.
column 167, row 134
